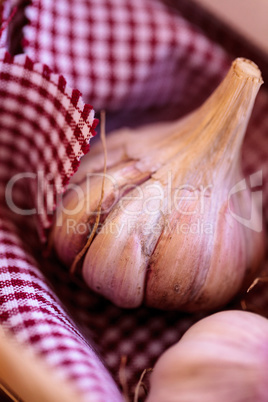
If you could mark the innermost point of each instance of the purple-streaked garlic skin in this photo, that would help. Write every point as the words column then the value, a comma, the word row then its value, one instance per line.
column 172, row 240
column 205, row 270
column 223, row 357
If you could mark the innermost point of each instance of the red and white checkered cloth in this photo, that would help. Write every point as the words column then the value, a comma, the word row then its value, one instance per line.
column 116, row 52
column 53, row 128
column 45, row 129
column 122, row 55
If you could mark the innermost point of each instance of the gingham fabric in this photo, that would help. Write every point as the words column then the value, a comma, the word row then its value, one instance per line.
column 49, row 107
column 116, row 51
column 122, row 56
column 30, row 309
column 45, row 129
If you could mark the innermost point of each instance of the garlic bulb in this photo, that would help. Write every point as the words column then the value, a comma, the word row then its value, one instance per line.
column 174, row 232
column 221, row 358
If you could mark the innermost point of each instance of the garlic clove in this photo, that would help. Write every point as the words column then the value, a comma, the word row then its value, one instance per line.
column 117, row 260
column 76, row 216
column 222, row 357
column 206, row 262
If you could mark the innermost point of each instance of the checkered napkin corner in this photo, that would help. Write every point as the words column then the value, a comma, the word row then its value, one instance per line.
column 45, row 130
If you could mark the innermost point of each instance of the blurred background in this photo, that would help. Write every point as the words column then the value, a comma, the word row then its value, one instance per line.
column 248, row 17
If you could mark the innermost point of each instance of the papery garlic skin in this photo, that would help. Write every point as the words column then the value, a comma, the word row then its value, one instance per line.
column 182, row 174
column 205, row 270
column 223, row 357
column 80, row 203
